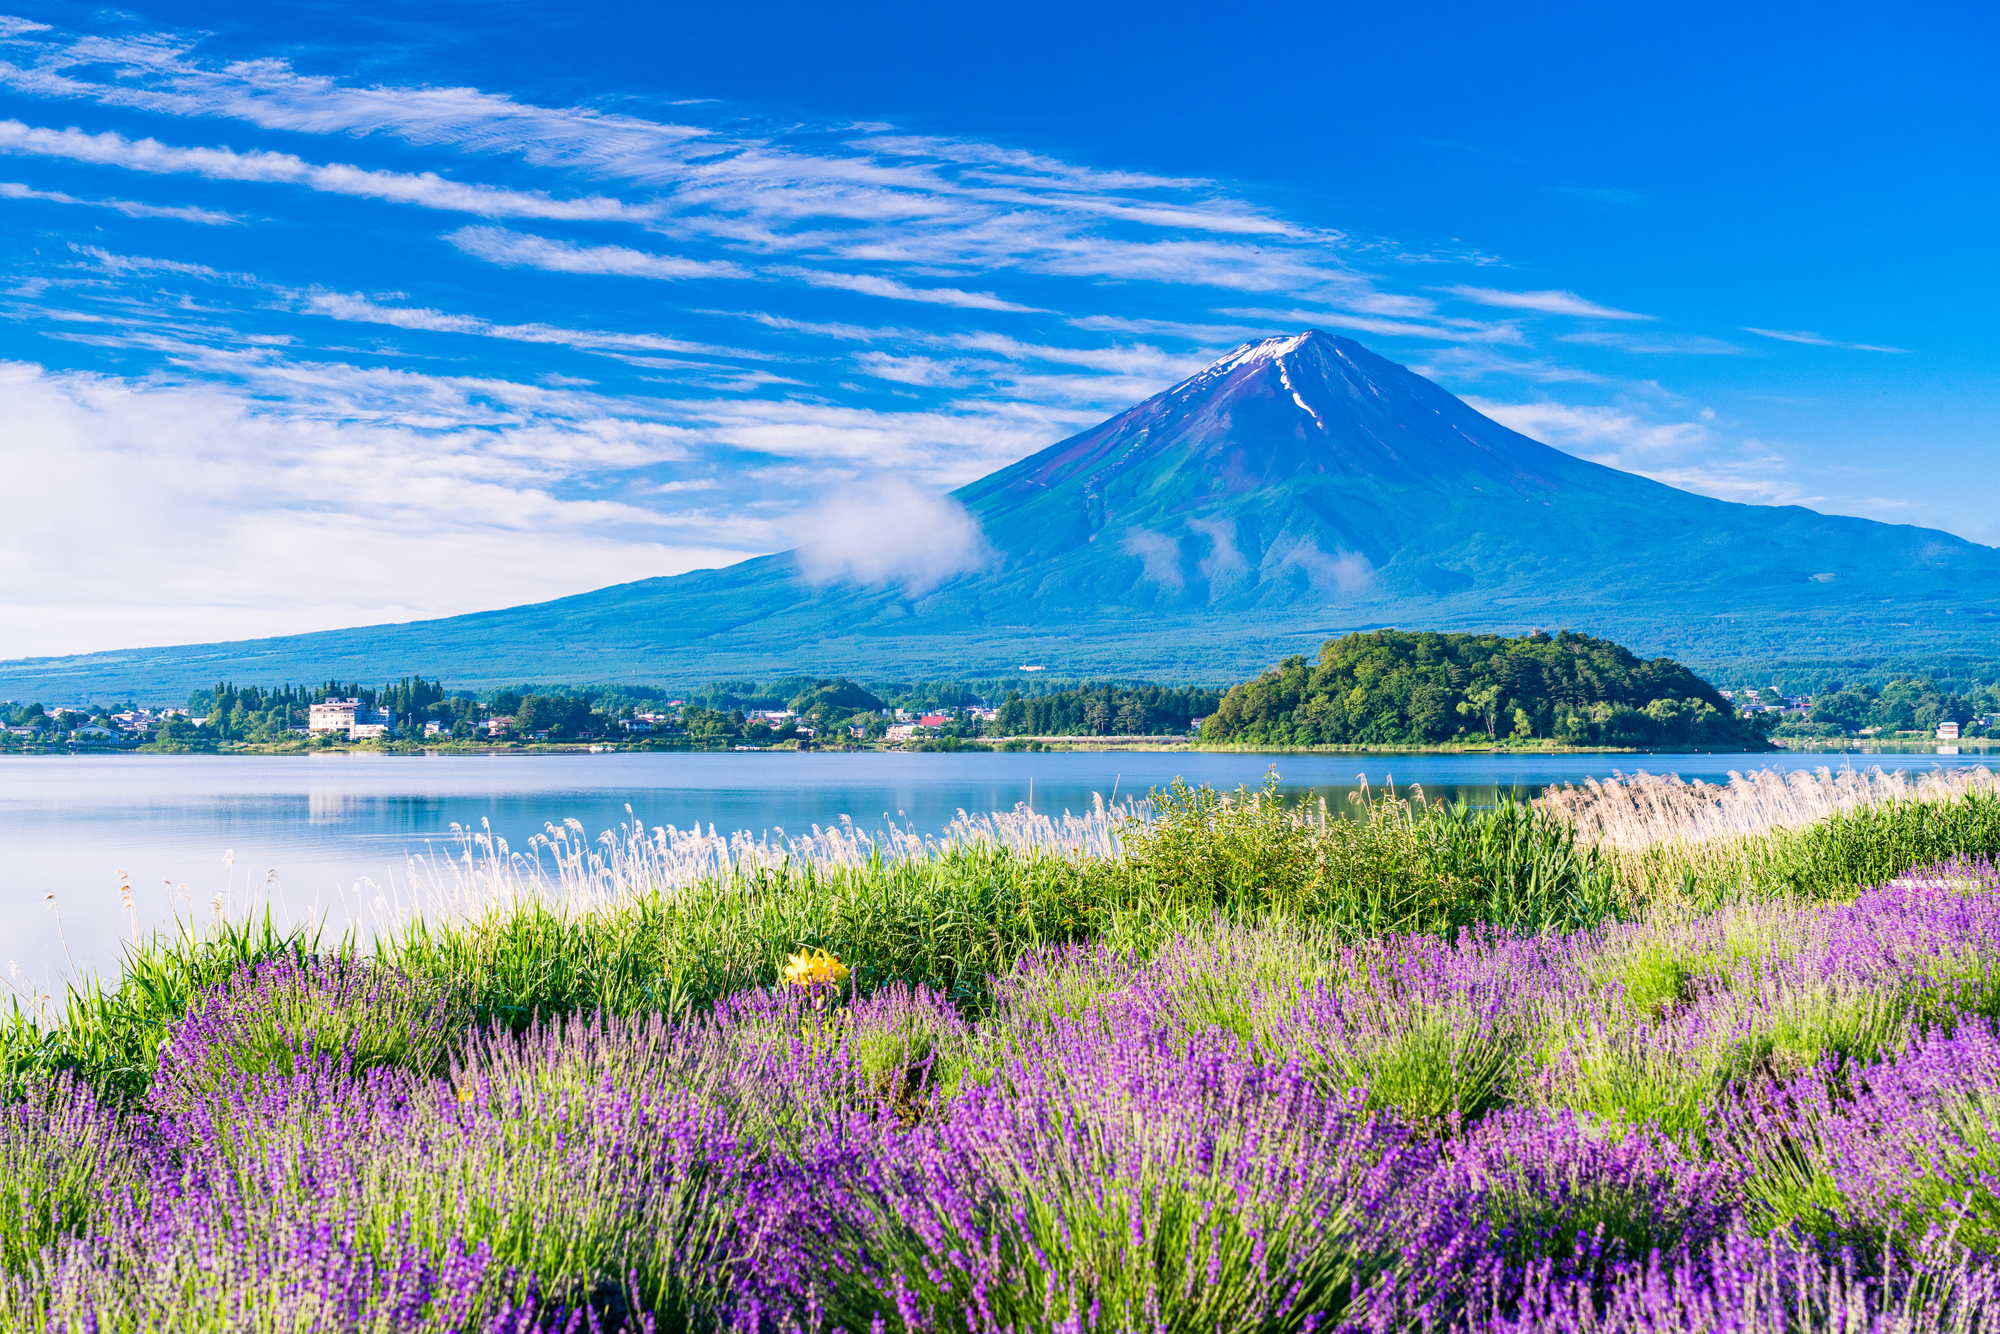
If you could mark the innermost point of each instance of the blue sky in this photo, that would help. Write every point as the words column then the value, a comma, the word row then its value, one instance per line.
column 315, row 319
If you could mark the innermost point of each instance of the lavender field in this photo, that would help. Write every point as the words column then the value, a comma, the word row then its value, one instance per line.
column 1638, row 1058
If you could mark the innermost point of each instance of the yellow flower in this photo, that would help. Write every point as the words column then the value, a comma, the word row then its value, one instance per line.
column 810, row 967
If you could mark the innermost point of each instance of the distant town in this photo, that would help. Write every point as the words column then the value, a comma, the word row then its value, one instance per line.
column 796, row 713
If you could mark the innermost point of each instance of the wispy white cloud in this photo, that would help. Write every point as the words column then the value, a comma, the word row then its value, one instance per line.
column 499, row 246
column 1192, row 331
column 943, row 448
column 1549, row 303
column 351, row 306
column 131, row 208
column 1134, row 359
column 916, row 200
column 926, row 371
column 425, row 189
column 496, row 245
column 1339, row 573
column 890, row 533
column 1159, row 556
column 119, row 264
column 871, row 285
column 1818, row 340
column 1569, row 426
column 1687, row 453
column 1655, row 343
column 228, row 514
column 1461, row 364
column 1225, row 563
column 1451, row 331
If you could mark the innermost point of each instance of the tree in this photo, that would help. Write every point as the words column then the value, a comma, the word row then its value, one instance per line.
column 1430, row 712
column 1098, row 718
column 1132, row 718
column 1845, row 709
column 837, row 695
column 1485, row 706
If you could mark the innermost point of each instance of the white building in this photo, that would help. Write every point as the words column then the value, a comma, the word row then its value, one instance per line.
column 332, row 715
column 1947, row 731
column 349, row 718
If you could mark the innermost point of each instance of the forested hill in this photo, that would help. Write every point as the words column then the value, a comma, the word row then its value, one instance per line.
column 1391, row 687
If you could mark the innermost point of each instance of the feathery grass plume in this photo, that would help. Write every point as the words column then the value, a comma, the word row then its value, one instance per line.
column 1819, row 834
column 1634, row 812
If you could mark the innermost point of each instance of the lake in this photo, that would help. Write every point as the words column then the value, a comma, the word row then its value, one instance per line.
column 316, row 826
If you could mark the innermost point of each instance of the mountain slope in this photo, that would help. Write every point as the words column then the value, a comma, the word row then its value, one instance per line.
column 1300, row 486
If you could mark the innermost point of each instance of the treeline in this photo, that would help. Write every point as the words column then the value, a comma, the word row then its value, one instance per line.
column 232, row 712
column 1397, row 688
column 911, row 696
column 1106, row 710
column 1972, row 677
column 1914, row 705
column 42, row 723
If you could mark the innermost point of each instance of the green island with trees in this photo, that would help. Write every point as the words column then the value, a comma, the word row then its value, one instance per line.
column 1394, row 688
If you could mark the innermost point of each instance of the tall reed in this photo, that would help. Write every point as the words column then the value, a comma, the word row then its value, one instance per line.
column 1631, row 813
column 1820, row 834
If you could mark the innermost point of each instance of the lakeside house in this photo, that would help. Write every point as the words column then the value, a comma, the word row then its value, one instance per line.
column 331, row 715
column 1947, row 731
column 349, row 718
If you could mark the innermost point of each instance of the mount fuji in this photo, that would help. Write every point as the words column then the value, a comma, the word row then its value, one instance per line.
column 1297, row 488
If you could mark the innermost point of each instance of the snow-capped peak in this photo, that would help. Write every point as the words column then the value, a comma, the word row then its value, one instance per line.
column 1267, row 349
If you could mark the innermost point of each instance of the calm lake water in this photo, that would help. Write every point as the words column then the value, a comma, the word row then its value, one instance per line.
column 327, row 823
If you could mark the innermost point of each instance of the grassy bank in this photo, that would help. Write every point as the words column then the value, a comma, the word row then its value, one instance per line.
column 1636, row 1057
column 654, row 932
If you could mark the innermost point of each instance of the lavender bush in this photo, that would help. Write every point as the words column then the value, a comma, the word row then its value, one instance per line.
column 1771, row 1117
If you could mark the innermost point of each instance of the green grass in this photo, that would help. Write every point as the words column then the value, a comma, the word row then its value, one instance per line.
column 958, row 920
column 113, row 1035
